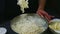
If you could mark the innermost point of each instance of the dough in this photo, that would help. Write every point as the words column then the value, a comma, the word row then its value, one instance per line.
column 28, row 24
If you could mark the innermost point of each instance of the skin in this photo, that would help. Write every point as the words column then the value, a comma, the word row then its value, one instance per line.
column 41, row 10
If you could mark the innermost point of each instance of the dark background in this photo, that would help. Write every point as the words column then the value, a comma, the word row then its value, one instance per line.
column 9, row 9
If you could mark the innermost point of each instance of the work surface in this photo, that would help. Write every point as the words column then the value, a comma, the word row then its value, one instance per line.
column 10, row 31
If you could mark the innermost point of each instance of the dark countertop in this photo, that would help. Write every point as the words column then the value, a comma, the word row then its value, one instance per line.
column 10, row 31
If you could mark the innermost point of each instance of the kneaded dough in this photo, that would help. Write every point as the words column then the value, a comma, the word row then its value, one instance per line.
column 28, row 24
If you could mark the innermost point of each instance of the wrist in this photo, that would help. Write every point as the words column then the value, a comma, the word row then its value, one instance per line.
column 40, row 8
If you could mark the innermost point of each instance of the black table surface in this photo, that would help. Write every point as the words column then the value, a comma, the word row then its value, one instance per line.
column 10, row 31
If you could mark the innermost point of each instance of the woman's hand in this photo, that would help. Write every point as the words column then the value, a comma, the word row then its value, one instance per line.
column 42, row 13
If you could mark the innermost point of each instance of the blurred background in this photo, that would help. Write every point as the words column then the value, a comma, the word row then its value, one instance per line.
column 9, row 9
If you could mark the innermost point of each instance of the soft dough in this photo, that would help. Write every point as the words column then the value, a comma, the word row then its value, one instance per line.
column 28, row 24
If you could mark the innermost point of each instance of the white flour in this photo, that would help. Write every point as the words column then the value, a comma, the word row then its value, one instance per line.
column 29, row 24
column 23, row 4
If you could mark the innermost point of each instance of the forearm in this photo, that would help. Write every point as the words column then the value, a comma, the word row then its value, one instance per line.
column 42, row 4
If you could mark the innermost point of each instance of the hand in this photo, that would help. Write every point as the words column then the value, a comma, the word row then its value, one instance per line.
column 42, row 13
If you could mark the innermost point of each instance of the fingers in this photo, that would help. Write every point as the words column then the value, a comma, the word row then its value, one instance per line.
column 47, row 15
column 39, row 13
column 44, row 14
column 47, row 18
